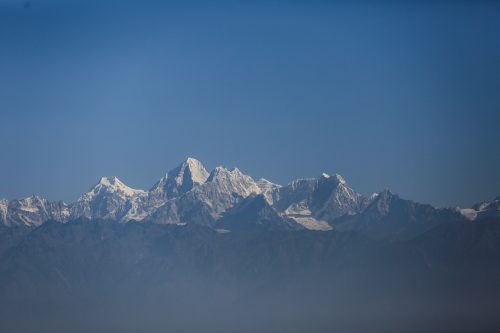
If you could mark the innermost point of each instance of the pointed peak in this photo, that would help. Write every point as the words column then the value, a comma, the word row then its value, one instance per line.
column 33, row 198
column 386, row 191
column 217, row 171
column 113, row 184
column 191, row 160
column 335, row 178
column 187, row 175
column 340, row 179
column 196, row 171
column 221, row 170
column 109, row 181
column 233, row 176
column 266, row 185
column 385, row 194
column 381, row 202
column 266, row 182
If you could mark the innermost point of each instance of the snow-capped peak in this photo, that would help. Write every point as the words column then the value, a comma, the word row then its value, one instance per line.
column 266, row 185
column 233, row 181
column 114, row 185
column 197, row 171
column 325, row 175
column 31, row 211
column 340, row 179
column 383, row 201
column 216, row 172
column 267, row 188
column 32, row 200
column 108, row 181
column 109, row 198
column 222, row 173
column 183, row 178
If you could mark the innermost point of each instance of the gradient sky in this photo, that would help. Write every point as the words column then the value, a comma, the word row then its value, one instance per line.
column 398, row 94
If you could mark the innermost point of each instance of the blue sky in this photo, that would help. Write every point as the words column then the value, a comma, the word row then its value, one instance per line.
column 404, row 95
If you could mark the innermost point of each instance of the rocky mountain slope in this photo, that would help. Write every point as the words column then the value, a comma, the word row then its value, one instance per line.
column 221, row 252
column 228, row 198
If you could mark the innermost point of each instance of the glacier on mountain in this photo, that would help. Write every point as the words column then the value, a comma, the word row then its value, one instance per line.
column 190, row 194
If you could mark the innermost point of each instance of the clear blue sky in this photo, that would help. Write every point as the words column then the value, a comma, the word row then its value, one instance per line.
column 398, row 94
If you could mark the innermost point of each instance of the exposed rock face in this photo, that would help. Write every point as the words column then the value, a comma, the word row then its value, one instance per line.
column 389, row 216
column 110, row 198
column 205, row 203
column 315, row 202
column 255, row 213
column 229, row 199
column 188, row 175
column 32, row 211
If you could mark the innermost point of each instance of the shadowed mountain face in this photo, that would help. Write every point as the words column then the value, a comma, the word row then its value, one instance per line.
column 99, row 275
column 221, row 252
column 255, row 213
column 390, row 217
column 229, row 199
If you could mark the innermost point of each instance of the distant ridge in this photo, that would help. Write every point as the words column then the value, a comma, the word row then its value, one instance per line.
column 189, row 194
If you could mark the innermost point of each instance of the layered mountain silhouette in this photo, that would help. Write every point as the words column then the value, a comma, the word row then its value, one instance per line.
column 221, row 252
column 190, row 194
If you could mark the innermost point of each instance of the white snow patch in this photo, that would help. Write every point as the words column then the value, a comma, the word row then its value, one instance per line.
column 29, row 209
column 469, row 213
column 298, row 208
column 311, row 223
column 114, row 185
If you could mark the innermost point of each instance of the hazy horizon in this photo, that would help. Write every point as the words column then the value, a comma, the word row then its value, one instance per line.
column 387, row 94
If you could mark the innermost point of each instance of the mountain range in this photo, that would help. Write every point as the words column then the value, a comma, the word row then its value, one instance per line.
column 228, row 199
column 221, row 252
